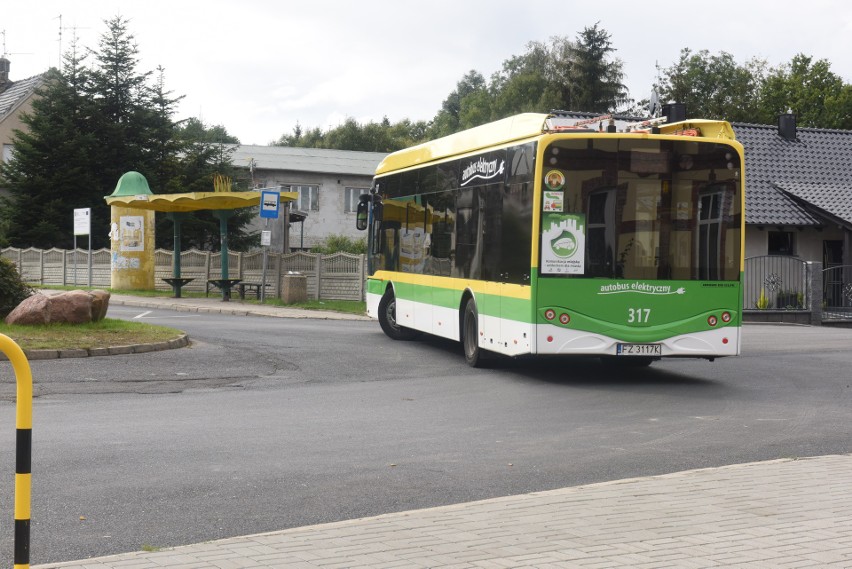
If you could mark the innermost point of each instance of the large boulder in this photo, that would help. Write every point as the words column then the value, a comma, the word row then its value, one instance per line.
column 31, row 311
column 74, row 307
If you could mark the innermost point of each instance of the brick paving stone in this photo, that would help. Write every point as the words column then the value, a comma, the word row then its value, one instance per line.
column 784, row 514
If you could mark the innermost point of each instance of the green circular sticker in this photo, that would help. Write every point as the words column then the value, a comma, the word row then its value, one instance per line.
column 564, row 245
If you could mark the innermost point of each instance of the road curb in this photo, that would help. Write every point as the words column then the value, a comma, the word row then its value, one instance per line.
column 180, row 342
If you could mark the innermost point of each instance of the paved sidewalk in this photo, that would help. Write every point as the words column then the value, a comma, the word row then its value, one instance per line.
column 778, row 514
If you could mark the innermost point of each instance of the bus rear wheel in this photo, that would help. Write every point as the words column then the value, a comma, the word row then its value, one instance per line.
column 387, row 319
column 473, row 354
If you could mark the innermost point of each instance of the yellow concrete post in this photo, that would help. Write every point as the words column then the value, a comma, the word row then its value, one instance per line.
column 23, row 450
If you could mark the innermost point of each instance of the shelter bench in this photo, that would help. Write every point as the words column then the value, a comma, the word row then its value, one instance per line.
column 225, row 285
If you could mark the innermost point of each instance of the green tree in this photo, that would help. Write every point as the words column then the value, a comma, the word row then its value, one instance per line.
column 580, row 76
column 49, row 175
column 352, row 135
column 202, row 158
column 809, row 88
column 313, row 138
column 92, row 124
column 124, row 115
column 194, row 129
column 162, row 136
column 528, row 83
column 454, row 114
column 715, row 86
column 594, row 79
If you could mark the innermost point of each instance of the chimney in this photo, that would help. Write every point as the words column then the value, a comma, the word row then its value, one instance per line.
column 4, row 72
column 787, row 126
column 674, row 112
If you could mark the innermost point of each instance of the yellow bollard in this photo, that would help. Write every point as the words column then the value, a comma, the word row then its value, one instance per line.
column 23, row 450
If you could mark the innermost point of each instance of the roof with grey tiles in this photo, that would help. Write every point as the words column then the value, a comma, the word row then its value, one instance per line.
column 320, row 160
column 16, row 93
column 796, row 182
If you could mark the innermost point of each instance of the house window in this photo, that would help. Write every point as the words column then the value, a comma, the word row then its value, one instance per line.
column 350, row 198
column 8, row 151
column 308, row 197
column 782, row 243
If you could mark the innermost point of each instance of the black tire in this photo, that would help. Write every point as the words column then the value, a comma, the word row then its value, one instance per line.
column 387, row 319
column 473, row 354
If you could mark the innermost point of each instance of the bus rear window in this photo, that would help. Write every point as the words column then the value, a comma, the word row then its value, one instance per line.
column 641, row 209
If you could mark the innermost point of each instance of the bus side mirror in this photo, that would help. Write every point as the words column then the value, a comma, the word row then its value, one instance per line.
column 378, row 209
column 362, row 212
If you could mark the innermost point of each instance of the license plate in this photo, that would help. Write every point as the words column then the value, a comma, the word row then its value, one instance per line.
column 639, row 350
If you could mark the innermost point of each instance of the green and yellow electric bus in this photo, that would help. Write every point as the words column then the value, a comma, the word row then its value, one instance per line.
column 542, row 234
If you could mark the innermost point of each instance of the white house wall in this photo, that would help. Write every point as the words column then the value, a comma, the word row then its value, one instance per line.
column 809, row 241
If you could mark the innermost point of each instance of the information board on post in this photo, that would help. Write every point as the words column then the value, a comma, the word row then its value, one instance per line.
column 83, row 226
column 83, row 221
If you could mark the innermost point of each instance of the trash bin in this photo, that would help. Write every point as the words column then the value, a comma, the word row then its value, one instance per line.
column 294, row 288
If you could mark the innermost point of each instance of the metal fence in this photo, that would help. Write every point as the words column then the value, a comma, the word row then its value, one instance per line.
column 775, row 282
column 339, row 276
column 837, row 292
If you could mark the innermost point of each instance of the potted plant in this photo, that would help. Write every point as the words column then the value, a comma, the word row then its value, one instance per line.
column 788, row 300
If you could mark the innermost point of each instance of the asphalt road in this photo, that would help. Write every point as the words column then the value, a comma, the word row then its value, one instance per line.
column 264, row 424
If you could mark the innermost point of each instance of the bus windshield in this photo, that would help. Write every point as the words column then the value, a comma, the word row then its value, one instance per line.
column 641, row 209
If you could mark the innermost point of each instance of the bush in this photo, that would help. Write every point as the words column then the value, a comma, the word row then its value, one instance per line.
column 12, row 289
column 340, row 244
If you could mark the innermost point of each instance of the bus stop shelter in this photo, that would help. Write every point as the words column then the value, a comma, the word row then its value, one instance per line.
column 176, row 206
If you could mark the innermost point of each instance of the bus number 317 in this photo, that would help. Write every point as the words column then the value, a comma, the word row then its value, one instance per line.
column 638, row 315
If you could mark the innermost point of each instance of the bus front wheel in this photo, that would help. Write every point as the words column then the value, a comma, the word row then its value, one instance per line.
column 387, row 319
column 474, row 355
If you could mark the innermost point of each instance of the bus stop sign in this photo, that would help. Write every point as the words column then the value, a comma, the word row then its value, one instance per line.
column 269, row 204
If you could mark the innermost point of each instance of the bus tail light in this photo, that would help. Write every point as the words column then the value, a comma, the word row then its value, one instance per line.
column 712, row 321
column 550, row 314
column 726, row 317
column 564, row 318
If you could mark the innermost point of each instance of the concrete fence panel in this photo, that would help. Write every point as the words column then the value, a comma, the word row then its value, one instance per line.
column 339, row 276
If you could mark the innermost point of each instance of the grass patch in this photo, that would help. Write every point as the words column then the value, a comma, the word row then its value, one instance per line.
column 108, row 332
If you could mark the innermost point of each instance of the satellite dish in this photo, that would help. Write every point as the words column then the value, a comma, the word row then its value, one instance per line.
column 654, row 104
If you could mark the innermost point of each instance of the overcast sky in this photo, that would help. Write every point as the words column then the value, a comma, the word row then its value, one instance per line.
column 258, row 67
